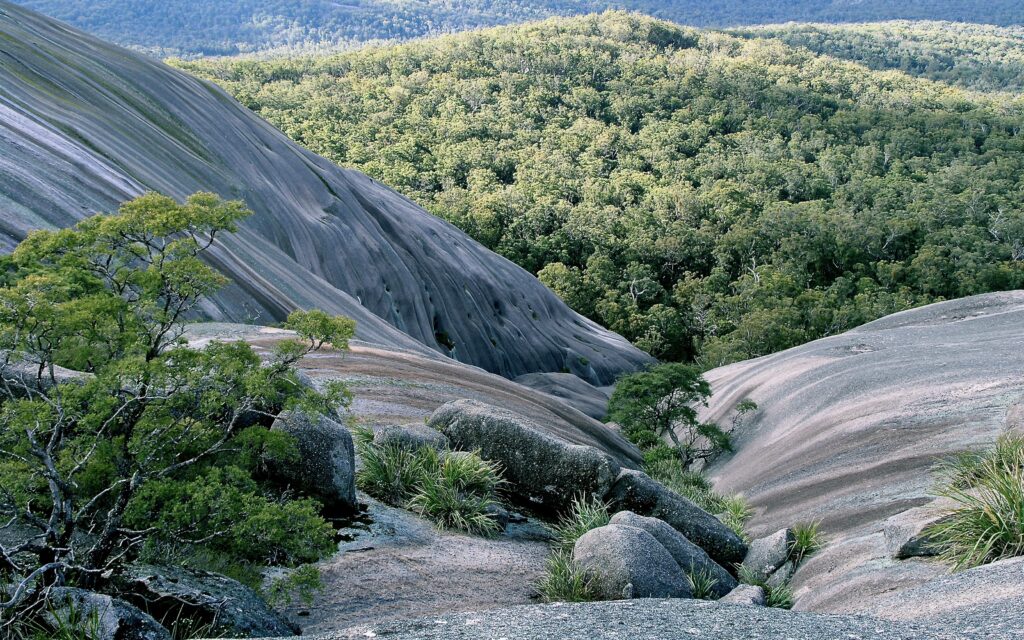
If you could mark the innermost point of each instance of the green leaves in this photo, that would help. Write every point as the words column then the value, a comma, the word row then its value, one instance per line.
column 319, row 328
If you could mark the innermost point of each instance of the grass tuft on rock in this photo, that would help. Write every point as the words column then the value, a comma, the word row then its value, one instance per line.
column 807, row 539
column 564, row 580
column 988, row 523
column 584, row 515
column 779, row 596
column 455, row 489
column 702, row 584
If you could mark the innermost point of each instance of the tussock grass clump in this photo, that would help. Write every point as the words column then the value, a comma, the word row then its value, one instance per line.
column 732, row 510
column 564, row 580
column 455, row 489
column 584, row 515
column 779, row 596
column 988, row 523
column 807, row 539
column 702, row 584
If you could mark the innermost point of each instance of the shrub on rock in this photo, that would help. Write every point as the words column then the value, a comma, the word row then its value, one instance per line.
column 692, row 560
column 325, row 467
column 541, row 470
column 622, row 562
column 635, row 491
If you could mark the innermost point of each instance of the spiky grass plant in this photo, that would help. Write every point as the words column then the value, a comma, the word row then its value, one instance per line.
column 391, row 473
column 583, row 515
column 965, row 470
column 460, row 494
column 564, row 580
column 807, row 539
column 702, row 584
column 988, row 522
column 779, row 596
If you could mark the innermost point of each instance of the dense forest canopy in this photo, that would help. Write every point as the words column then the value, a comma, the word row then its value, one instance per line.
column 705, row 195
column 975, row 56
column 225, row 27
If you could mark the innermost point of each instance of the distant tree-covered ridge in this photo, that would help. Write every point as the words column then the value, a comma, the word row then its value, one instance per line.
column 704, row 195
column 980, row 57
column 228, row 27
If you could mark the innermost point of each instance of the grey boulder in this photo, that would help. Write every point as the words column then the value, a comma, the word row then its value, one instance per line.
column 226, row 605
column 542, row 470
column 326, row 466
column 769, row 553
column 103, row 617
column 410, row 436
column 746, row 594
column 689, row 557
column 637, row 492
column 626, row 562
column 906, row 532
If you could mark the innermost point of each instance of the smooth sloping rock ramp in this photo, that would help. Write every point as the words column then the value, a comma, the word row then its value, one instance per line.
column 849, row 427
column 85, row 125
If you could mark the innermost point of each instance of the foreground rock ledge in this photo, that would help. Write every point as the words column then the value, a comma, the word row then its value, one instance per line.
column 645, row 620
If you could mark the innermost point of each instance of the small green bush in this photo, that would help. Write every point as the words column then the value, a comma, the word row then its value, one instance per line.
column 564, row 580
column 585, row 514
column 807, row 539
column 702, row 584
column 988, row 523
column 777, row 596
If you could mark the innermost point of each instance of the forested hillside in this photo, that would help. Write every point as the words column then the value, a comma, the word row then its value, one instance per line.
column 700, row 193
column 981, row 57
column 236, row 26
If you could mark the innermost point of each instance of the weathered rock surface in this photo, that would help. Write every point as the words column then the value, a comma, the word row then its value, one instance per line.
column 541, row 469
column 572, row 390
column 85, row 125
column 209, row 598
column 326, row 465
column 689, row 557
column 410, row 436
column 746, row 594
column 849, row 427
column 905, row 532
column 637, row 492
column 106, row 618
column 769, row 553
column 647, row 620
column 626, row 562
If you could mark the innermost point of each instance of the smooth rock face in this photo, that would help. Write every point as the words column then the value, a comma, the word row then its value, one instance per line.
column 637, row 492
column 571, row 389
column 543, row 470
column 769, row 553
column 627, row 562
column 227, row 605
column 689, row 557
column 85, row 126
column 746, row 594
column 905, row 532
column 326, row 466
column 410, row 436
column 849, row 429
column 113, row 619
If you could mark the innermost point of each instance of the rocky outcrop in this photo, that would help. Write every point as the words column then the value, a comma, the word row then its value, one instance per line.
column 690, row 558
column 850, row 427
column 905, row 533
column 225, row 605
column 542, row 470
column 410, row 436
column 103, row 617
column 626, row 562
column 769, row 553
column 637, row 492
column 85, row 126
column 571, row 389
column 326, row 459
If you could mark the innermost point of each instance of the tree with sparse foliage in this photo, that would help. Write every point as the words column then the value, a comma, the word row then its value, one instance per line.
column 116, row 437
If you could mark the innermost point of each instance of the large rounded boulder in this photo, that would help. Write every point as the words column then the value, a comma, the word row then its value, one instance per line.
column 690, row 558
column 626, row 562
column 326, row 465
column 107, row 618
column 541, row 470
column 637, row 492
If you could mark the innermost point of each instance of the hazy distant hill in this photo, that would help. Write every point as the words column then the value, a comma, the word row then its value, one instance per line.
column 234, row 26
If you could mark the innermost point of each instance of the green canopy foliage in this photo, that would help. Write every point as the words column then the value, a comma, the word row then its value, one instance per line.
column 709, row 197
